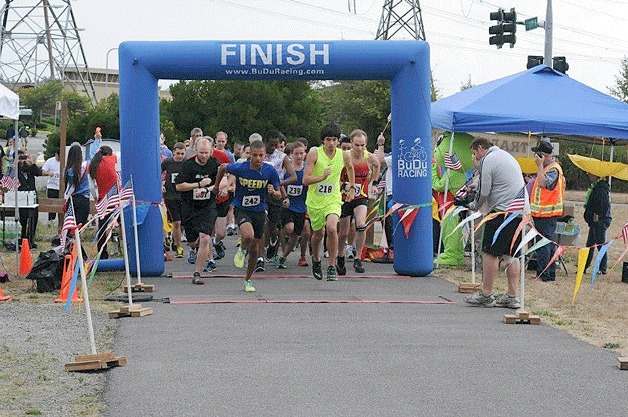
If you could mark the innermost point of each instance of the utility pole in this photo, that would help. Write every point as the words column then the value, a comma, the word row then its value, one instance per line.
column 401, row 15
column 549, row 29
column 25, row 29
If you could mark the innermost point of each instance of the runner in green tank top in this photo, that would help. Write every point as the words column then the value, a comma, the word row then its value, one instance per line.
column 324, row 202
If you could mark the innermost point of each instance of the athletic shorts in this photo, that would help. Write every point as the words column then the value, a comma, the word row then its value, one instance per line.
column 174, row 209
column 318, row 216
column 197, row 221
column 347, row 208
column 288, row 216
column 504, row 240
column 274, row 213
column 223, row 208
column 256, row 218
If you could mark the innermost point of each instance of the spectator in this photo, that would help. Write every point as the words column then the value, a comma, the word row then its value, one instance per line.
column 102, row 170
column 77, row 183
column 547, row 193
column 26, row 173
column 163, row 148
column 52, row 169
column 500, row 181
column 597, row 214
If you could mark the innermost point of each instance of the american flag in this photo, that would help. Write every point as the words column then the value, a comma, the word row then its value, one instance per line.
column 381, row 186
column 69, row 222
column 111, row 201
column 8, row 182
column 624, row 232
column 518, row 203
column 452, row 162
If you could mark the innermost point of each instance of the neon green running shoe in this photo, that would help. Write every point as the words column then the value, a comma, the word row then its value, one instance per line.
column 248, row 286
column 240, row 256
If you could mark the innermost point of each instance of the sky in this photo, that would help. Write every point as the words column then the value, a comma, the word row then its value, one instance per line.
column 592, row 35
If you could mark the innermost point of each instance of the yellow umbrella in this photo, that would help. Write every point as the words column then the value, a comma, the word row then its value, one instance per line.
column 623, row 174
column 527, row 164
column 599, row 168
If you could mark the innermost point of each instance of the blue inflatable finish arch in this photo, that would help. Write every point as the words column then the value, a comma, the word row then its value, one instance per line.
column 405, row 63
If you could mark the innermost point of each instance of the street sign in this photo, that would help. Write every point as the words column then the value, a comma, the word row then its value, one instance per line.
column 531, row 23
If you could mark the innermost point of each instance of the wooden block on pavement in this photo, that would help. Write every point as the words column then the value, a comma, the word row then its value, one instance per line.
column 468, row 287
column 622, row 363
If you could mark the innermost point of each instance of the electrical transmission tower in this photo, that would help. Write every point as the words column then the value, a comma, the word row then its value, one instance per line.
column 398, row 16
column 40, row 41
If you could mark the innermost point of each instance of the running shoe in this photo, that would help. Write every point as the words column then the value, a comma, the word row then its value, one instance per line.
column 248, row 286
column 197, row 280
column 340, row 265
column 192, row 256
column 211, row 265
column 282, row 263
column 220, row 250
column 349, row 251
column 232, row 229
column 508, row 301
column 238, row 242
column 271, row 251
column 259, row 266
column 478, row 299
column 357, row 265
column 331, row 273
column 240, row 256
column 317, row 270
column 179, row 252
column 303, row 261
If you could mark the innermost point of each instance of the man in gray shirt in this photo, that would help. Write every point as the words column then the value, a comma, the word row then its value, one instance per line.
column 500, row 183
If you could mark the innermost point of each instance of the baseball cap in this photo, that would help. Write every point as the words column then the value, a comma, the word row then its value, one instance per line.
column 544, row 145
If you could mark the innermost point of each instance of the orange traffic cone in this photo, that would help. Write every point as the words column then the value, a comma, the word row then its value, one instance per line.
column 26, row 260
column 69, row 263
column 4, row 297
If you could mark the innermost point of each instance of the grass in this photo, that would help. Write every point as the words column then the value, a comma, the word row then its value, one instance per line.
column 600, row 313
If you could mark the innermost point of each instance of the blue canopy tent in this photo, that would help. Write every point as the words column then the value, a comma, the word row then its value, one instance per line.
column 540, row 100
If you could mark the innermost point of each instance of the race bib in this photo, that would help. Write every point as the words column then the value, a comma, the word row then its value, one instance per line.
column 55, row 175
column 357, row 188
column 251, row 200
column 326, row 189
column 173, row 177
column 294, row 190
column 201, row 194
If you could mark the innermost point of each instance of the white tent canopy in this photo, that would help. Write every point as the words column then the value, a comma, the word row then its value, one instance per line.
column 9, row 103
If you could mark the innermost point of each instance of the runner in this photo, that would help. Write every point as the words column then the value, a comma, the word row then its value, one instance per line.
column 324, row 201
column 293, row 212
column 255, row 182
column 195, row 183
column 172, row 198
column 365, row 166
column 281, row 163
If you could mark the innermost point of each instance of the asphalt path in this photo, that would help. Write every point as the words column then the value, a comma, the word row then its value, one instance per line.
column 254, row 354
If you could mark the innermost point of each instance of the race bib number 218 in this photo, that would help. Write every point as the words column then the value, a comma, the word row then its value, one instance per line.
column 325, row 188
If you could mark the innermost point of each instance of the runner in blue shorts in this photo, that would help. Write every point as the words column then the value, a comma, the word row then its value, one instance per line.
column 255, row 182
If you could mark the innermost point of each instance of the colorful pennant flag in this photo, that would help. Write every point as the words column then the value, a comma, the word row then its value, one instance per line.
column 452, row 161
column 624, row 233
column 600, row 254
column 583, row 253
column 407, row 219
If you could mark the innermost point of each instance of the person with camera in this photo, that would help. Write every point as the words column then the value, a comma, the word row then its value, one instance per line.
column 26, row 173
column 52, row 169
column 500, row 182
column 547, row 194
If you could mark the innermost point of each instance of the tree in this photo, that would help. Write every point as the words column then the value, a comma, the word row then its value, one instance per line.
column 620, row 90
column 467, row 85
column 356, row 105
column 240, row 108
column 41, row 98
column 434, row 90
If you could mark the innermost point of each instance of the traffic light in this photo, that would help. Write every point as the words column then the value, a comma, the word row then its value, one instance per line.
column 534, row 60
column 559, row 63
column 504, row 30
